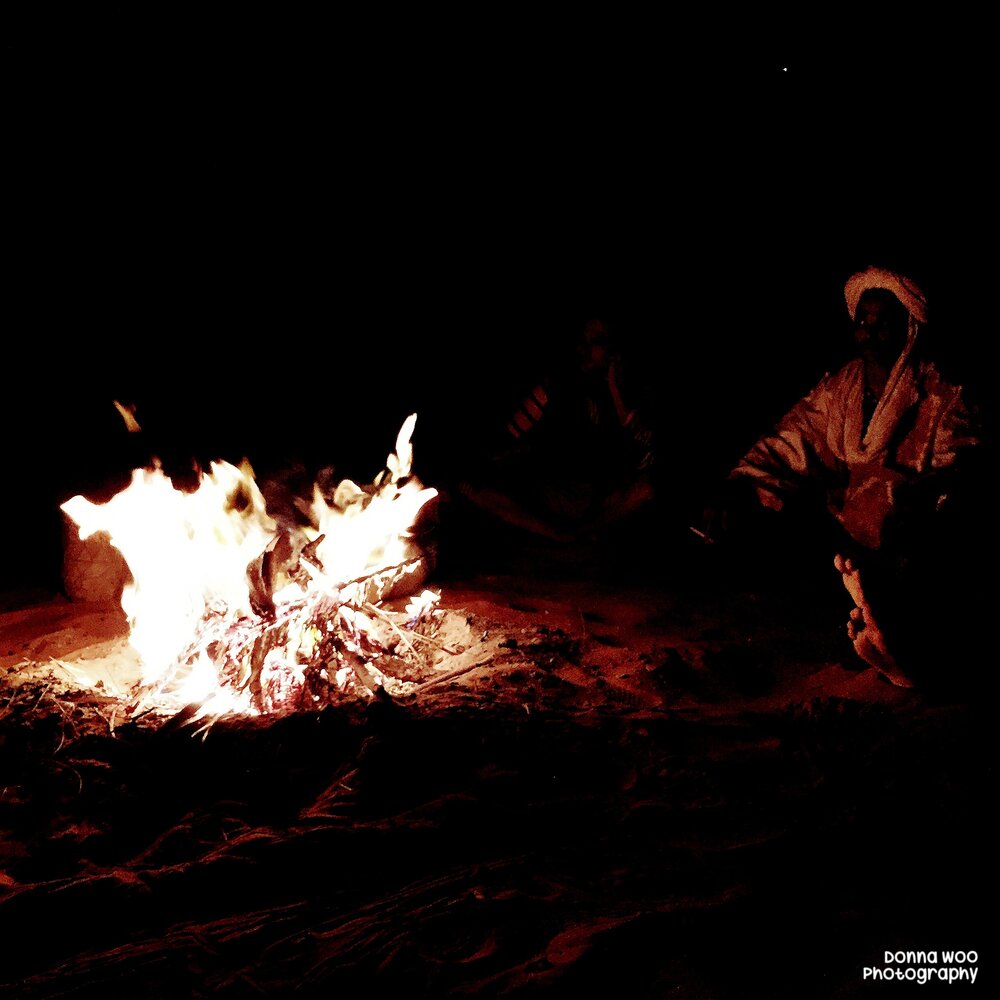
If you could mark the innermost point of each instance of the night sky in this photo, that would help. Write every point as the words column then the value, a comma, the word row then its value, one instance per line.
column 279, row 238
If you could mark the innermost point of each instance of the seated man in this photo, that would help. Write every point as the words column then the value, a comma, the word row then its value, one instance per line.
column 576, row 454
column 887, row 446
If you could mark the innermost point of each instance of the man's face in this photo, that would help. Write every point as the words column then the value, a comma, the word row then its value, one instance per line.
column 880, row 323
column 592, row 348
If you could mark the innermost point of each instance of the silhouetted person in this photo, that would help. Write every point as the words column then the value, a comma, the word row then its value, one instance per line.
column 575, row 457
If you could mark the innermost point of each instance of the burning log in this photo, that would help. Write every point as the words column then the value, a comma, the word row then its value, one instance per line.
column 278, row 566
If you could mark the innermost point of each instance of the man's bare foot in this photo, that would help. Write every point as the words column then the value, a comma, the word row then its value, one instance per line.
column 862, row 629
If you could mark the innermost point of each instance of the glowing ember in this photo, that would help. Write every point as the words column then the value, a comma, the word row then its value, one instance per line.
column 234, row 612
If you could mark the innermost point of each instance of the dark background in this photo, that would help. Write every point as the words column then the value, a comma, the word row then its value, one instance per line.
column 279, row 237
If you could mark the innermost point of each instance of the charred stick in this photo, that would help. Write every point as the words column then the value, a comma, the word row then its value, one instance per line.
column 379, row 613
column 451, row 675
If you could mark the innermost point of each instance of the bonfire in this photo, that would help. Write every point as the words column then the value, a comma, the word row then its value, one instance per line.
column 235, row 608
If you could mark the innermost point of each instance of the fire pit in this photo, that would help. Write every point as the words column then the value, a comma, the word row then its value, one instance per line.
column 236, row 608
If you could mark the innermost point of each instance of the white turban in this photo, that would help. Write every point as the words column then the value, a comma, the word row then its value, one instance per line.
column 908, row 293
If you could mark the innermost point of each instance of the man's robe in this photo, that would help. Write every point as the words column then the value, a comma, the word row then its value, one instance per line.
column 871, row 471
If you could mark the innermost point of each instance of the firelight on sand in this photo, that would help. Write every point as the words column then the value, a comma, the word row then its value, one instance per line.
column 204, row 629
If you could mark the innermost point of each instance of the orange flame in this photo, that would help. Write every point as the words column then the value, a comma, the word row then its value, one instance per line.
column 189, row 553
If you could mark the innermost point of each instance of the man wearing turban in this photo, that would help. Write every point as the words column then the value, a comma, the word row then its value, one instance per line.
column 880, row 444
